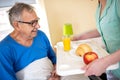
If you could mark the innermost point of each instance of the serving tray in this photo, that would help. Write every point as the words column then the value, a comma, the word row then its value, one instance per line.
column 68, row 63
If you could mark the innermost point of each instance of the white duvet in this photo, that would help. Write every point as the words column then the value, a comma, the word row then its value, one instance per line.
column 41, row 70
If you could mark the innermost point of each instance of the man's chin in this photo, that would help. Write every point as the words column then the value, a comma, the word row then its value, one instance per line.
column 35, row 34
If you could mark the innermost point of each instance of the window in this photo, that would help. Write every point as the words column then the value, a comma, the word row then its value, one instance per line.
column 7, row 3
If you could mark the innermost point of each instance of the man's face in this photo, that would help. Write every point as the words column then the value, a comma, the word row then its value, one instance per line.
column 29, row 24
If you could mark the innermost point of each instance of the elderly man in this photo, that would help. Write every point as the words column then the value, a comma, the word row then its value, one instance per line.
column 26, row 53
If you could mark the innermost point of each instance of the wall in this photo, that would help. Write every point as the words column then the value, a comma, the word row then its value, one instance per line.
column 81, row 13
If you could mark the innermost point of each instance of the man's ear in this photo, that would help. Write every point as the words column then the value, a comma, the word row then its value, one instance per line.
column 16, row 25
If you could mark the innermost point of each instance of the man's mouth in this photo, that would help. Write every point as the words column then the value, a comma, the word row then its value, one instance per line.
column 34, row 30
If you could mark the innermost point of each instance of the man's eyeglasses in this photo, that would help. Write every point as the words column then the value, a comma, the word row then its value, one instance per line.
column 32, row 23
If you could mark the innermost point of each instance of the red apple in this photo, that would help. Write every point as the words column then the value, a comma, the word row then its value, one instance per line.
column 89, row 57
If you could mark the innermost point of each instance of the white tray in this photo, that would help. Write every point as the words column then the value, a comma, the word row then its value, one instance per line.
column 68, row 63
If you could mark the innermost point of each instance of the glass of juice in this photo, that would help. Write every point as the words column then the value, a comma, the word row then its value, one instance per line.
column 67, row 32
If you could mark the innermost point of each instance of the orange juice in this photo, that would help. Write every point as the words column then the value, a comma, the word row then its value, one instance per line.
column 66, row 44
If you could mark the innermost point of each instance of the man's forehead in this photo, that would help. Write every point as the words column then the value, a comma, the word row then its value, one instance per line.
column 29, row 15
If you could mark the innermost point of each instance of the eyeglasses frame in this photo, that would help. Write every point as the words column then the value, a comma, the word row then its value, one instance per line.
column 30, row 23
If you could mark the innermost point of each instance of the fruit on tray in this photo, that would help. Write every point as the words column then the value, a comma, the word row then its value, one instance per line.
column 89, row 57
column 82, row 49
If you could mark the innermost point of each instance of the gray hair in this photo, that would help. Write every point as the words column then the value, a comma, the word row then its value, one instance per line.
column 15, row 12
